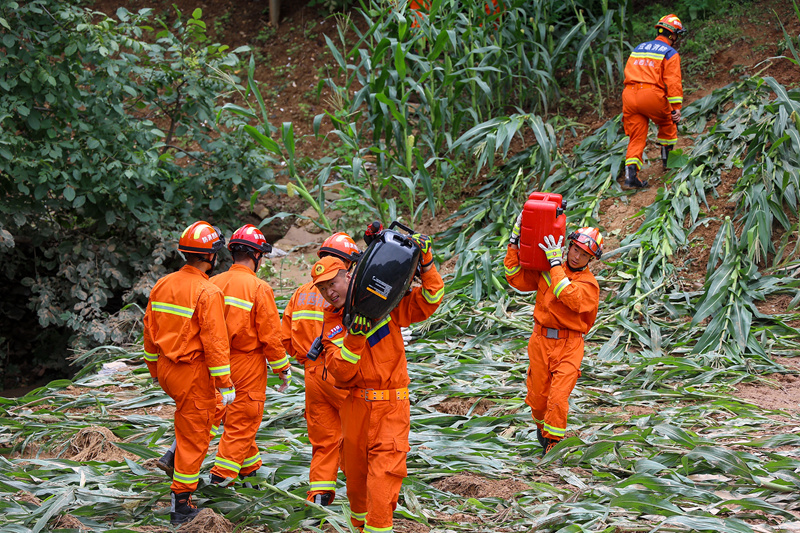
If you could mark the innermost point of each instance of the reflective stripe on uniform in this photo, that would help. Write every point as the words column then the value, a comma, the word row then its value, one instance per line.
column 214, row 431
column 379, row 325
column 647, row 55
column 227, row 464
column 433, row 298
column 560, row 286
column 186, row 478
column 150, row 357
column 250, row 461
column 238, row 302
column 668, row 142
column 546, row 276
column 172, row 309
column 280, row 363
column 307, row 315
column 512, row 271
column 358, row 516
column 350, row 357
column 338, row 342
column 219, row 370
column 675, row 99
column 634, row 161
column 556, row 432
column 323, row 485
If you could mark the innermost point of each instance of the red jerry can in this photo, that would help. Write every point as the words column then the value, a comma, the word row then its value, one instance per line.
column 543, row 214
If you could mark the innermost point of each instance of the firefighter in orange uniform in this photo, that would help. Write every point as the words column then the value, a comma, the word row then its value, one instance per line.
column 254, row 332
column 371, row 365
column 186, row 350
column 653, row 91
column 567, row 301
column 301, row 327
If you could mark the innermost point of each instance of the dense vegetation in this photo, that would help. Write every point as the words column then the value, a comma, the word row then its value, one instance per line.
column 109, row 142
column 655, row 442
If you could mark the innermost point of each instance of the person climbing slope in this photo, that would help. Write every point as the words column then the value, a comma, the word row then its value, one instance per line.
column 653, row 91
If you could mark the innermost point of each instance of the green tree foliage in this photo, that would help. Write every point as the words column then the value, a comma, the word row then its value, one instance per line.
column 109, row 144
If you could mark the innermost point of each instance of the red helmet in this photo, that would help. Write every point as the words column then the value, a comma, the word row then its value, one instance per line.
column 671, row 23
column 201, row 238
column 251, row 236
column 588, row 239
column 340, row 245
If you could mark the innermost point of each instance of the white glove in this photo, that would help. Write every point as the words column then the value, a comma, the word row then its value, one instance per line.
column 407, row 334
column 286, row 377
column 514, row 238
column 228, row 395
column 552, row 249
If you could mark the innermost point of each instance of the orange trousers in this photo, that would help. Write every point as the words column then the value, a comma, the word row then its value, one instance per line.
column 640, row 104
column 374, row 449
column 238, row 452
column 191, row 386
column 553, row 372
column 323, row 402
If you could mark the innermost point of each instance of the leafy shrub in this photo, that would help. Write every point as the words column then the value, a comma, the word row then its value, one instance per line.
column 109, row 144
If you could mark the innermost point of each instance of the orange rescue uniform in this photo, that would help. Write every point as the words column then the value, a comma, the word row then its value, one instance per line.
column 565, row 310
column 186, row 348
column 254, row 332
column 302, row 324
column 376, row 414
column 653, row 88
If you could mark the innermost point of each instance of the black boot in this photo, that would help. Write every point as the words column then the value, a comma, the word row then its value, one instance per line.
column 665, row 150
column 216, row 480
column 541, row 438
column 630, row 178
column 549, row 445
column 182, row 509
column 247, row 484
column 167, row 463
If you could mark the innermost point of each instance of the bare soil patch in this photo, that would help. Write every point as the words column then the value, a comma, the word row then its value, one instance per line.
column 462, row 406
column 781, row 392
column 475, row 486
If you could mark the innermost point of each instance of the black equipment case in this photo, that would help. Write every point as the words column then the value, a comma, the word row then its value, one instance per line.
column 382, row 275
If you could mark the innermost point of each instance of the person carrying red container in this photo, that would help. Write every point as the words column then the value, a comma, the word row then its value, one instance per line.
column 300, row 333
column 371, row 365
column 567, row 301
column 253, row 327
column 653, row 91
column 186, row 350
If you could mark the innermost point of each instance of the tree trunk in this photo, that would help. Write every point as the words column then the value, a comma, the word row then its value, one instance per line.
column 274, row 12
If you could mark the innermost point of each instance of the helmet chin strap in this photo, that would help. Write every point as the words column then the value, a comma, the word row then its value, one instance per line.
column 212, row 263
column 256, row 259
